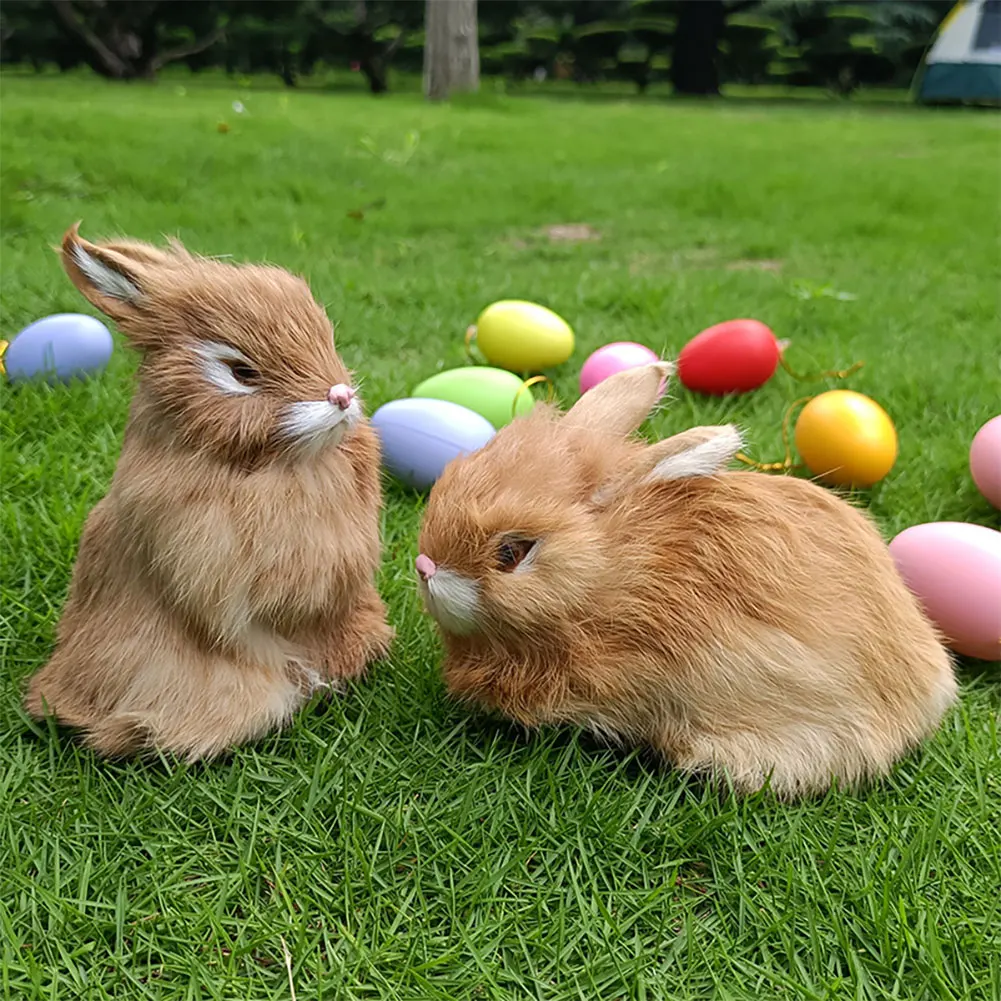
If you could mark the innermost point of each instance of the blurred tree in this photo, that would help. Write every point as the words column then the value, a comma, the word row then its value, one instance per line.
column 377, row 30
column 696, row 52
column 31, row 33
column 695, row 43
column 292, row 38
column 451, row 48
column 694, row 67
column 845, row 45
column 136, row 38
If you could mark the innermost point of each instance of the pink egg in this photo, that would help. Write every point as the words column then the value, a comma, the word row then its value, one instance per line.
column 954, row 569
column 985, row 460
column 612, row 358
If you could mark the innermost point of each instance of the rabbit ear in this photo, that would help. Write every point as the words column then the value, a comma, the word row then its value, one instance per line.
column 700, row 451
column 620, row 403
column 146, row 253
column 111, row 277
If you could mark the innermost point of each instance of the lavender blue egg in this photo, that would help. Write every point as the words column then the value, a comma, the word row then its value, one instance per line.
column 60, row 347
column 420, row 437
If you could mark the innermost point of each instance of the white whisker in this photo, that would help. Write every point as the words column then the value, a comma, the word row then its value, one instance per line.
column 453, row 600
column 316, row 423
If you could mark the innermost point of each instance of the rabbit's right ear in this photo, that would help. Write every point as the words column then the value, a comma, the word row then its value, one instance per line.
column 620, row 403
column 111, row 277
column 700, row 451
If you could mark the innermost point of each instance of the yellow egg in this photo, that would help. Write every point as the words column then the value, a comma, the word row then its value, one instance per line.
column 846, row 439
column 523, row 336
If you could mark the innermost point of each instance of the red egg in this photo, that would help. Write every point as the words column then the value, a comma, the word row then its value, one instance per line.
column 731, row 357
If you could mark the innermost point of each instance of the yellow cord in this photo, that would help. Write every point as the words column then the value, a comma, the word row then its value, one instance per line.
column 531, row 382
column 787, row 463
column 842, row 374
column 470, row 337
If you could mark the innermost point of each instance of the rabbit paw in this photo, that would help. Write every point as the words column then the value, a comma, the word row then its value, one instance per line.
column 364, row 637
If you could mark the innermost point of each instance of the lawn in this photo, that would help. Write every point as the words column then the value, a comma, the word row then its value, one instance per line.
column 391, row 844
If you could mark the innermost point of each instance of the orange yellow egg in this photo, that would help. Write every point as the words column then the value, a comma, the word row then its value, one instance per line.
column 846, row 439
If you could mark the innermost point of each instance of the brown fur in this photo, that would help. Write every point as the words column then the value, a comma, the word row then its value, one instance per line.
column 228, row 572
column 736, row 621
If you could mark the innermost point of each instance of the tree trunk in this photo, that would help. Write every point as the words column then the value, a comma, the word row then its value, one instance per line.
column 451, row 48
column 696, row 47
column 375, row 71
column 159, row 60
column 106, row 62
column 125, row 54
column 373, row 59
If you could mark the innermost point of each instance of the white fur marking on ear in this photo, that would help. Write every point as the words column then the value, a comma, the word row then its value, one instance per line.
column 454, row 601
column 315, row 421
column 215, row 358
column 706, row 459
column 109, row 282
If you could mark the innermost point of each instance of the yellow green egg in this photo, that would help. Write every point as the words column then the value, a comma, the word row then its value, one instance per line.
column 523, row 336
column 490, row 392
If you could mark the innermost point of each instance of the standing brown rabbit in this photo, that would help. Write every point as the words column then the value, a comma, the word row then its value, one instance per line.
column 229, row 571
column 736, row 621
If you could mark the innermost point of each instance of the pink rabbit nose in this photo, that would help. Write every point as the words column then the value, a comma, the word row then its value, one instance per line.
column 425, row 566
column 341, row 395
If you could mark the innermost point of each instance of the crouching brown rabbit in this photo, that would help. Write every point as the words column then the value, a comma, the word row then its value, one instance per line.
column 229, row 571
column 740, row 623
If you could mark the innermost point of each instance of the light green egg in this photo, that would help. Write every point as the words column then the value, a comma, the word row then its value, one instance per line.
column 490, row 392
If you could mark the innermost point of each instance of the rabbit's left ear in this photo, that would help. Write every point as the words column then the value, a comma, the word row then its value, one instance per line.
column 620, row 403
column 700, row 451
column 109, row 279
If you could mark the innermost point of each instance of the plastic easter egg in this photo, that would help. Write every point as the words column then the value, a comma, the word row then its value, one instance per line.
column 420, row 437
column 60, row 346
column 985, row 460
column 612, row 358
column 523, row 336
column 490, row 392
column 731, row 357
column 954, row 569
column 846, row 438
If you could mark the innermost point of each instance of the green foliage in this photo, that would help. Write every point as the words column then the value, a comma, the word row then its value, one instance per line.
column 398, row 846
column 287, row 37
column 836, row 44
column 847, row 45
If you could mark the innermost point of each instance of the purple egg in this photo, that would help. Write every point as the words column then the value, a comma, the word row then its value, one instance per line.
column 60, row 346
column 420, row 437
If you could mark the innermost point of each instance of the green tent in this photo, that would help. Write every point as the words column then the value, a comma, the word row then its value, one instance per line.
column 964, row 62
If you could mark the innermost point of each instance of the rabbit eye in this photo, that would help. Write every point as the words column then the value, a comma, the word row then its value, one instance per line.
column 244, row 373
column 512, row 551
column 227, row 369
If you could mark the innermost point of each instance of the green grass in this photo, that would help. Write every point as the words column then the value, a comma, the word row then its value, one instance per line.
column 399, row 846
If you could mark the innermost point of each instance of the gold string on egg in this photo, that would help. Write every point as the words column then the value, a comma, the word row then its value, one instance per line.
column 531, row 382
column 786, row 464
column 470, row 337
column 832, row 374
